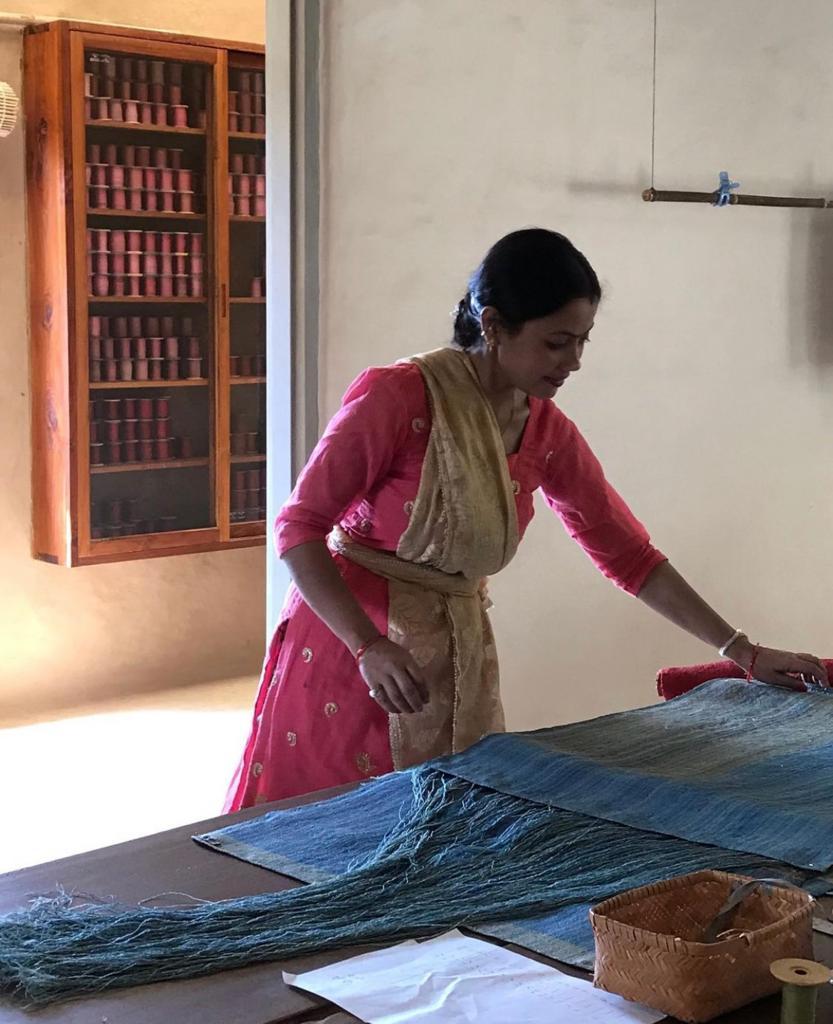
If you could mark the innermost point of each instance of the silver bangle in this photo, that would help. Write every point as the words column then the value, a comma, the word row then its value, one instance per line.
column 738, row 633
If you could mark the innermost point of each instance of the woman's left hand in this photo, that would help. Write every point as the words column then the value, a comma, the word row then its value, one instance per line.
column 779, row 668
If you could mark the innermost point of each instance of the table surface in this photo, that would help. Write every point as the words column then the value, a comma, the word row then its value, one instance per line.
column 172, row 862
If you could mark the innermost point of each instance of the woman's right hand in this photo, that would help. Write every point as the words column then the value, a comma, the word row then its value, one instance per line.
column 394, row 679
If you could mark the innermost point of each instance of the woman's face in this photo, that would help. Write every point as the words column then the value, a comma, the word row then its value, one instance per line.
column 542, row 355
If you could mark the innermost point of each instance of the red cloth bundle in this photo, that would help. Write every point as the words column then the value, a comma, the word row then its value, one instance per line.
column 671, row 682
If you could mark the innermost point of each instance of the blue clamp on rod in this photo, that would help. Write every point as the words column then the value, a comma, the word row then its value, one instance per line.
column 723, row 195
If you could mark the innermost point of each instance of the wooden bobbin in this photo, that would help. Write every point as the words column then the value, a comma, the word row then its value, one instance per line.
column 801, row 980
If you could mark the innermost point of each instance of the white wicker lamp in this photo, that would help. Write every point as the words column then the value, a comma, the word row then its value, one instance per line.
column 9, row 109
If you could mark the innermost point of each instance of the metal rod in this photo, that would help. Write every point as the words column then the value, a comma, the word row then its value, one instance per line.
column 652, row 195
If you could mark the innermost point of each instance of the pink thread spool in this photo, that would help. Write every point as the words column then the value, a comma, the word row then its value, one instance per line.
column 178, row 115
column 163, row 448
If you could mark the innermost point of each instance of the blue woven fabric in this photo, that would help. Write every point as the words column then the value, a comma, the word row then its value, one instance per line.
column 682, row 769
column 745, row 767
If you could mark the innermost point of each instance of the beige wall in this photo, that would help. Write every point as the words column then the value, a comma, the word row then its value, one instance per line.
column 67, row 635
column 706, row 390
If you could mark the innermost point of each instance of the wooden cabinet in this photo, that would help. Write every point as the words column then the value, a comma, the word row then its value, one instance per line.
column 146, row 188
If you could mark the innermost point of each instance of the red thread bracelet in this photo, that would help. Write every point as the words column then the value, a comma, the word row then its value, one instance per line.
column 751, row 668
column 360, row 653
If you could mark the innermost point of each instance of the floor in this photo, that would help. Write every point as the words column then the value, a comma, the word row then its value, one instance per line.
column 115, row 771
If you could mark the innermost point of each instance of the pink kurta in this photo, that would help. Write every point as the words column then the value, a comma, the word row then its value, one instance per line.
column 314, row 724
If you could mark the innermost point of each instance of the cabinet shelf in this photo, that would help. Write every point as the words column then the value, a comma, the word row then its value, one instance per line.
column 145, row 299
column 102, row 385
column 159, row 129
column 145, row 214
column 248, row 380
column 256, row 136
column 144, row 467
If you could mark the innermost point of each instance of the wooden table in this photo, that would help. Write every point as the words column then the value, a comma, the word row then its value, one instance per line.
column 172, row 862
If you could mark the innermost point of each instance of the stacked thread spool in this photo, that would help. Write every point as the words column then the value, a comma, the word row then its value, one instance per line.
column 247, row 101
column 134, row 430
column 151, row 179
column 119, row 518
column 244, row 441
column 248, row 495
column 156, row 264
column 138, row 348
column 144, row 92
column 257, row 288
column 247, row 184
column 248, row 366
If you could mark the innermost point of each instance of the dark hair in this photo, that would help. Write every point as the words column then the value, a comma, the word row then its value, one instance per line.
column 527, row 274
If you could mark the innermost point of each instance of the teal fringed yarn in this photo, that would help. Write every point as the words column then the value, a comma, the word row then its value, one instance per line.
column 464, row 854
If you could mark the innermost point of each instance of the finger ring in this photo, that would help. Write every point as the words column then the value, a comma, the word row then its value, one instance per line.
column 373, row 693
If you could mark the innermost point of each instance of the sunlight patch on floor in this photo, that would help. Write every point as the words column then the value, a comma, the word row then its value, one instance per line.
column 119, row 771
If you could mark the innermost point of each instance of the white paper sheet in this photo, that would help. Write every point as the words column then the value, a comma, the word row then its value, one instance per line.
column 454, row 979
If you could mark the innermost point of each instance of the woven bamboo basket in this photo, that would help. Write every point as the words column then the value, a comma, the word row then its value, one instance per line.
column 649, row 944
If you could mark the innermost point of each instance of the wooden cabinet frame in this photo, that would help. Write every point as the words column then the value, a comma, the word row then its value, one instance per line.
column 56, row 140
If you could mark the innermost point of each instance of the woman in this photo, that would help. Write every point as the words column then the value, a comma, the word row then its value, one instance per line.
column 421, row 488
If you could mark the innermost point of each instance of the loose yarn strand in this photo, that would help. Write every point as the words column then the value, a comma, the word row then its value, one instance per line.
column 464, row 854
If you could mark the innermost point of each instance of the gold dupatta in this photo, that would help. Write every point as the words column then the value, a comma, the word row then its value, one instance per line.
column 464, row 528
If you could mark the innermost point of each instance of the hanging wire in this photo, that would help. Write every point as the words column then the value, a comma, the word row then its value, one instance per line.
column 651, row 195
column 654, row 98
